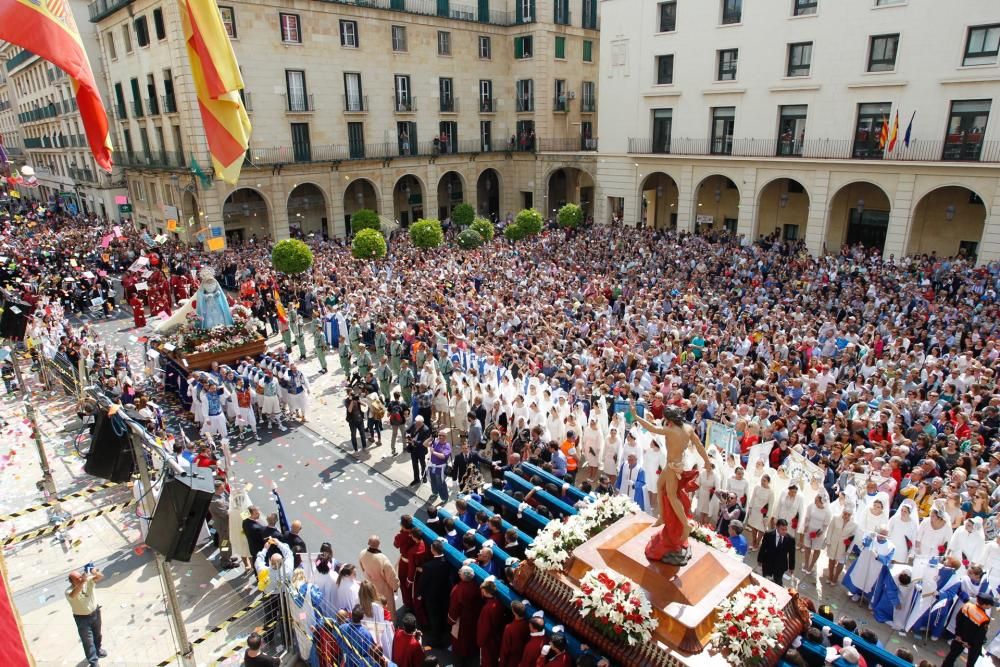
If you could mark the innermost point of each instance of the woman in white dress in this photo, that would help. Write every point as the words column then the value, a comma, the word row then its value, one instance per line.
column 347, row 593
column 325, row 581
column 839, row 537
column 967, row 543
column 759, row 510
column 654, row 459
column 903, row 530
column 372, row 607
column 708, row 483
column 872, row 519
column 817, row 521
column 738, row 484
column 592, row 446
column 791, row 508
column 933, row 533
column 609, row 461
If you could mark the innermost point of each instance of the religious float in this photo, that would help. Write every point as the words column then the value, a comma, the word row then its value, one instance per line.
column 646, row 595
column 207, row 329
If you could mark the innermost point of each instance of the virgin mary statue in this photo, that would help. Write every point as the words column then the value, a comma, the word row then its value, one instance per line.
column 211, row 304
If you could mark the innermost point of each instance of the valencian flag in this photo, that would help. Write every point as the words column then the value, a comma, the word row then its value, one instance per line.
column 47, row 29
column 218, row 82
column 883, row 135
column 894, row 132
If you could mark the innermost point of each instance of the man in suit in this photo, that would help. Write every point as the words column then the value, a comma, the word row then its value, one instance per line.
column 254, row 530
column 777, row 552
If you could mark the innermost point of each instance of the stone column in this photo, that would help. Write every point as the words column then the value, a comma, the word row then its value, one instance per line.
column 989, row 247
column 900, row 218
column 279, row 209
column 747, row 214
column 819, row 213
column 686, row 202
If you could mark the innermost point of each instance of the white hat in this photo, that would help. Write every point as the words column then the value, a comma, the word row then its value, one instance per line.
column 538, row 614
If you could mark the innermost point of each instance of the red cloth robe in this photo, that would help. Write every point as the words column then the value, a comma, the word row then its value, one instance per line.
column 532, row 650
column 418, row 555
column 407, row 650
column 464, row 607
column 668, row 540
column 561, row 660
column 128, row 284
column 180, row 286
column 138, row 311
column 491, row 618
column 403, row 542
column 515, row 636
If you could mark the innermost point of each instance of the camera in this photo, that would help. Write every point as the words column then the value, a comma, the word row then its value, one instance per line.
column 88, row 568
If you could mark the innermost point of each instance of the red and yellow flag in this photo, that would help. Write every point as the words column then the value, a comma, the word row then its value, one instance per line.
column 894, row 132
column 282, row 315
column 883, row 135
column 217, row 81
column 47, row 29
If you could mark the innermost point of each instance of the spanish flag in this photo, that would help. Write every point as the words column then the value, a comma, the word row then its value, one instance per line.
column 217, row 81
column 47, row 29
column 894, row 132
column 282, row 315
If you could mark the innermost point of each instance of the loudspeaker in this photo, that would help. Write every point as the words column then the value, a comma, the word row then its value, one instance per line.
column 110, row 456
column 179, row 514
column 14, row 321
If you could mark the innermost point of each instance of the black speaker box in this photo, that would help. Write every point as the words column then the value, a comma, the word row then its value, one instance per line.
column 14, row 321
column 110, row 456
column 179, row 514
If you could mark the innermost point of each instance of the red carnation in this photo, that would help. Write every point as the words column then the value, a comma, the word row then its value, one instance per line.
column 762, row 594
column 620, row 608
column 578, row 603
column 733, row 631
column 636, row 602
column 941, row 549
column 727, row 617
column 626, row 587
column 608, row 597
column 619, row 629
column 754, row 651
column 587, row 589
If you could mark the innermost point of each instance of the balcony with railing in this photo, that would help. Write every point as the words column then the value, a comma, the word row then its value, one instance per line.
column 452, row 10
column 920, row 150
column 104, row 8
column 299, row 103
column 588, row 104
column 267, row 156
column 562, row 14
column 487, row 105
column 404, row 103
column 33, row 142
column 560, row 104
column 42, row 113
column 120, row 112
column 525, row 104
column 153, row 105
column 355, row 103
column 18, row 60
column 169, row 103
column 137, row 107
column 151, row 160
column 566, row 145
column 448, row 105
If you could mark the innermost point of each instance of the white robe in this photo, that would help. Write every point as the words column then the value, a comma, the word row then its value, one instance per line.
column 899, row 532
column 969, row 544
column 817, row 520
column 759, row 499
column 928, row 539
column 868, row 567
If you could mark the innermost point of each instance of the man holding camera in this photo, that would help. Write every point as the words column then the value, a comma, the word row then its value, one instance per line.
column 417, row 439
column 86, row 611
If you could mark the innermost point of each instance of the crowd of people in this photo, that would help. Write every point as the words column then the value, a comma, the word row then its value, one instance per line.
column 859, row 390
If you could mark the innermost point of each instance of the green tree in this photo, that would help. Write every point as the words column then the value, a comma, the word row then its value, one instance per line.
column 368, row 244
column 484, row 227
column 469, row 239
column 463, row 214
column 514, row 232
column 365, row 219
column 426, row 233
column 570, row 216
column 530, row 221
column 291, row 257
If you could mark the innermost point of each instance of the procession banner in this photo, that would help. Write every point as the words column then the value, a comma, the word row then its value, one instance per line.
column 722, row 436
